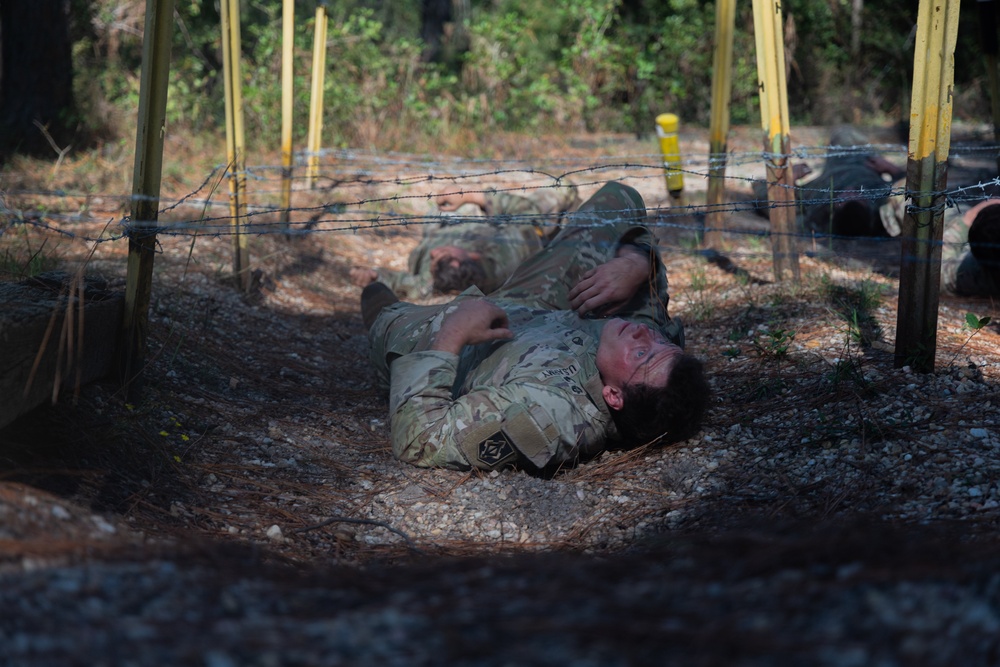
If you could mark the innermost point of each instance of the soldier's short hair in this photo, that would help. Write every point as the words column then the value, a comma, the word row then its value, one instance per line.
column 854, row 218
column 665, row 414
column 450, row 277
column 984, row 236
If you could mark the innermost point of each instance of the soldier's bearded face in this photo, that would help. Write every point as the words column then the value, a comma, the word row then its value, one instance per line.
column 632, row 353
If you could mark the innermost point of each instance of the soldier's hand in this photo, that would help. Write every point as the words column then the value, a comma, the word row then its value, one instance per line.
column 472, row 321
column 449, row 201
column 362, row 276
column 607, row 288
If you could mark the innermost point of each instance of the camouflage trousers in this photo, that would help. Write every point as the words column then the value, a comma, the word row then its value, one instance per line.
column 542, row 282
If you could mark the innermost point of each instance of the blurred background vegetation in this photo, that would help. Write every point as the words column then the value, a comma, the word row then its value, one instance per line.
column 402, row 73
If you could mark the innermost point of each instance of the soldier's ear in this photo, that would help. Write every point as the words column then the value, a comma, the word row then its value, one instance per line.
column 475, row 256
column 613, row 397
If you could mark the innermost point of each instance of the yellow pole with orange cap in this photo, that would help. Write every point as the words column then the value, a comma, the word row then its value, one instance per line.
column 666, row 129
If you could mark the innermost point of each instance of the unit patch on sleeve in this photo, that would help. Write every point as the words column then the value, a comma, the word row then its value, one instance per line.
column 495, row 450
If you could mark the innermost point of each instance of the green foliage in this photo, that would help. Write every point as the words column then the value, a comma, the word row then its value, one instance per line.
column 975, row 322
column 19, row 256
column 513, row 65
column 700, row 301
column 855, row 304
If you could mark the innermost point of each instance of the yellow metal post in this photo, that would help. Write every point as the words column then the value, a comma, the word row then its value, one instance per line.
column 316, row 95
column 722, row 66
column 235, row 140
column 774, row 120
column 287, row 75
column 926, row 178
column 148, row 167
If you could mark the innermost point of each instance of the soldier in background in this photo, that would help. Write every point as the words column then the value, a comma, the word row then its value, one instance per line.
column 482, row 238
column 970, row 252
column 844, row 199
column 538, row 375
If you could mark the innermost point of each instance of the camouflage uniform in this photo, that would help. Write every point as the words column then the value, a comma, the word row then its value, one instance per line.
column 536, row 400
column 517, row 226
column 961, row 272
column 503, row 246
column 545, row 206
column 847, row 174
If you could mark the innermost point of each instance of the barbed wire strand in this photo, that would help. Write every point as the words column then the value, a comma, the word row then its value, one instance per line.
column 349, row 175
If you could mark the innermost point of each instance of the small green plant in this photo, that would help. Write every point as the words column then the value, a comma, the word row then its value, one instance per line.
column 701, row 306
column 974, row 324
column 690, row 242
column 766, row 387
column 855, row 304
column 855, row 332
column 28, row 261
column 918, row 357
column 698, row 279
column 757, row 243
column 774, row 343
column 848, row 370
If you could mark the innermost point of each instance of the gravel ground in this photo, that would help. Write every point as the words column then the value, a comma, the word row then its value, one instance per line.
column 834, row 510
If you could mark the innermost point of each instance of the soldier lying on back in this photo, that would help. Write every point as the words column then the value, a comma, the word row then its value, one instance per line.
column 538, row 374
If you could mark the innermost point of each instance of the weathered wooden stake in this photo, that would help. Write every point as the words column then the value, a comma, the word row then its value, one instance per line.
column 148, row 166
column 287, row 100
column 722, row 66
column 926, row 178
column 316, row 96
column 235, row 139
column 774, row 119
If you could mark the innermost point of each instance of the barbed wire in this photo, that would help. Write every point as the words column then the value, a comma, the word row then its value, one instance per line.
column 349, row 194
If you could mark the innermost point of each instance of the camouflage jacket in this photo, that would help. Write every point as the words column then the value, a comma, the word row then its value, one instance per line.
column 515, row 228
column 544, row 207
column 502, row 246
column 534, row 401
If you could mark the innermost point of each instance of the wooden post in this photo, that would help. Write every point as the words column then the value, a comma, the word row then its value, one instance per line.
column 287, row 76
column 988, row 34
column 148, row 166
column 316, row 95
column 926, row 178
column 235, row 140
column 722, row 66
column 774, row 120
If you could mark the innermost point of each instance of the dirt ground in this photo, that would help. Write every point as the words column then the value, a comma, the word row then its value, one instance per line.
column 252, row 480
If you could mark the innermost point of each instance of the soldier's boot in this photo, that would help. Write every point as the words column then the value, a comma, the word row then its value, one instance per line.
column 375, row 297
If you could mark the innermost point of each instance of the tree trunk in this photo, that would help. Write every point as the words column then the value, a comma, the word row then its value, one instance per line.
column 434, row 14
column 36, row 80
